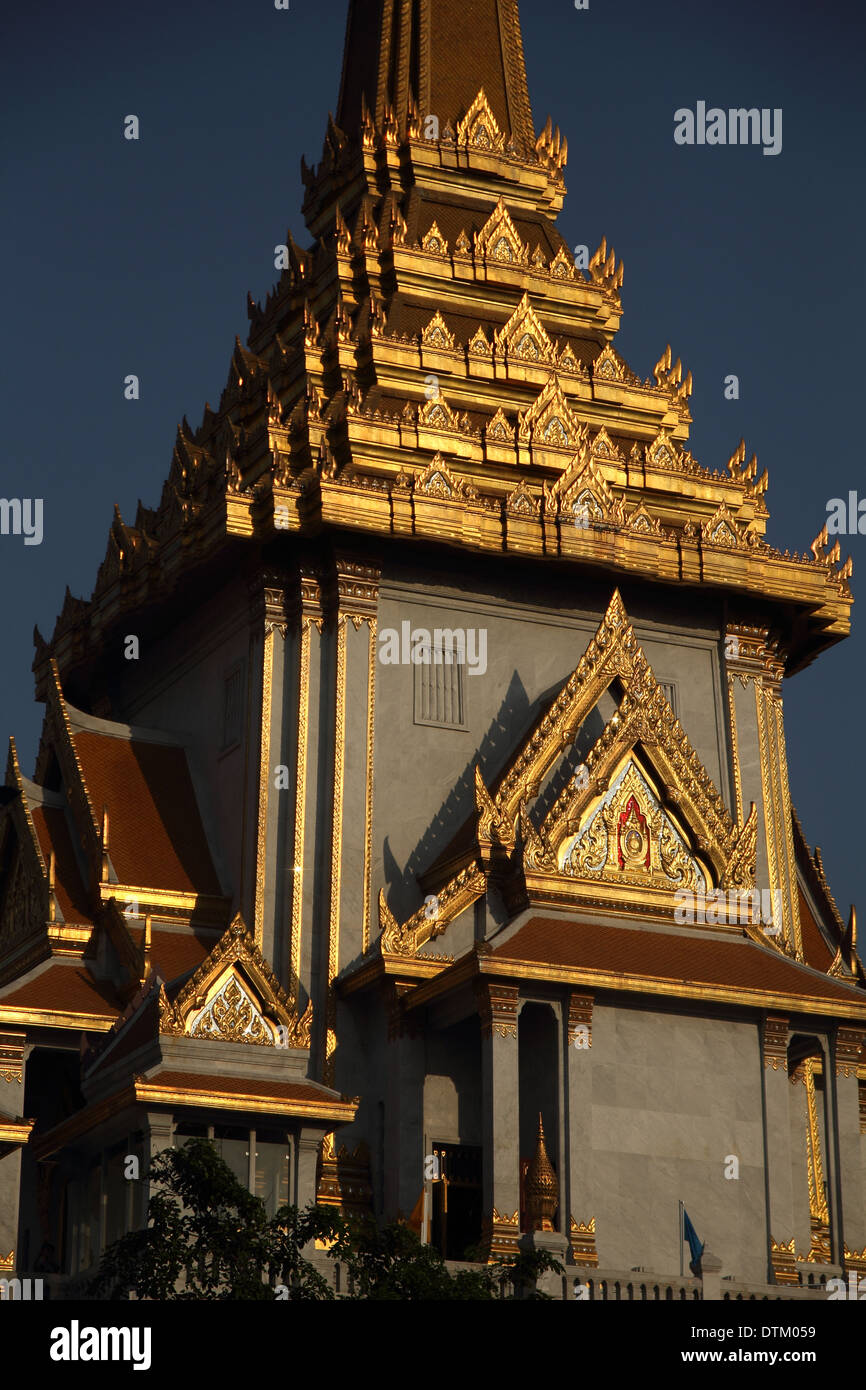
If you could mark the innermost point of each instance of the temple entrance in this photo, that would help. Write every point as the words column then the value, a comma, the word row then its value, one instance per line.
column 456, row 1199
column 539, row 1086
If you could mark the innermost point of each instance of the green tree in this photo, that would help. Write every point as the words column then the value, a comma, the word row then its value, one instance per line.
column 207, row 1237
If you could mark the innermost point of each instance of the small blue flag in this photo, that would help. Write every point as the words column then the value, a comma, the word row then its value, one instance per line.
column 696, row 1248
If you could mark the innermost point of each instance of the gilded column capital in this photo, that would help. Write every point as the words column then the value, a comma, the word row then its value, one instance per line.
column 12, row 1046
column 849, row 1050
column 751, row 654
column 354, row 589
column 776, row 1042
column 498, row 1005
column 580, row 1019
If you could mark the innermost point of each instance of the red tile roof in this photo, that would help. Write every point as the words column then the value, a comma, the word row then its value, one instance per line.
column 52, row 832
column 176, row 953
column 63, row 988
column 156, row 838
column 727, row 963
column 307, row 1091
column 815, row 948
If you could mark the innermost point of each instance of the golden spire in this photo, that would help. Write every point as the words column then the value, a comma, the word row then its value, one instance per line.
column 542, row 1187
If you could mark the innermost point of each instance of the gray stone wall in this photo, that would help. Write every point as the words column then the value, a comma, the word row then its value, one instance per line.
column 672, row 1097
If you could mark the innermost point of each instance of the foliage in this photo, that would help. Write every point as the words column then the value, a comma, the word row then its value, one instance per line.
column 207, row 1237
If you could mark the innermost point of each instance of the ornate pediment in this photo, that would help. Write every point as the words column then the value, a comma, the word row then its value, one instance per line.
column 608, row 366
column 522, row 503
column 626, row 837
column 234, row 996
column 550, row 422
column 479, row 344
column 437, row 334
column 437, row 414
column 722, row 529
column 643, row 523
column 562, row 266
column 524, row 336
column 434, row 242
column 499, row 239
column 663, row 452
column 603, row 447
column 637, row 822
column 499, row 430
column 479, row 129
column 581, row 491
column 437, row 480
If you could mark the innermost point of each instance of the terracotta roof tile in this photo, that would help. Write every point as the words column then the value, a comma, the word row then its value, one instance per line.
column 663, row 955
column 53, row 834
column 63, row 989
column 242, row 1086
column 156, row 838
column 176, row 953
column 815, row 948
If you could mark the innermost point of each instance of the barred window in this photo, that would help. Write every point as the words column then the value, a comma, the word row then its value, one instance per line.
column 670, row 690
column 440, row 689
column 233, row 706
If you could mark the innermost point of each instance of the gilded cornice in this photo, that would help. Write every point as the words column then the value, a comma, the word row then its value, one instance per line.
column 758, row 999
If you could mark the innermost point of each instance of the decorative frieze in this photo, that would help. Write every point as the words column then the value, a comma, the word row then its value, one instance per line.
column 582, row 1239
column 783, row 1259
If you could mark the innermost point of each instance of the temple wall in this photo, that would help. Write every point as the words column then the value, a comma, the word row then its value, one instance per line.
column 178, row 686
column 672, row 1097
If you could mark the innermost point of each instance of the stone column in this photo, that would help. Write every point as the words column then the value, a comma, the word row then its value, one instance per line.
column 303, row 1186
column 404, row 1111
column 787, row 1197
column 352, row 627
column 12, row 1063
column 577, row 1216
column 852, row 1150
column 500, row 1099
column 159, row 1132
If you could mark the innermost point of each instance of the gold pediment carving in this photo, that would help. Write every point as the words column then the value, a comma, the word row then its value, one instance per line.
column 582, row 492
column 437, row 414
column 663, row 452
column 524, row 335
column 499, row 428
column 437, row 334
column 626, row 837
column 676, row 796
column 479, row 345
column 562, row 266
column 234, row 996
column 550, row 422
column 637, row 822
column 437, row 480
column 434, row 242
column 499, row 239
column 722, row 529
column 479, row 128
column 609, row 366
column 603, row 447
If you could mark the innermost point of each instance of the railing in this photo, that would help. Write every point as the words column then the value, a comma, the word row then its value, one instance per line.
column 629, row 1286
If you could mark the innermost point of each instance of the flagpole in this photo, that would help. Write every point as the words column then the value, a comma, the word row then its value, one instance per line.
column 682, row 1238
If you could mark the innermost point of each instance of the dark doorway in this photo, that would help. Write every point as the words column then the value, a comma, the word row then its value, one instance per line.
column 456, row 1199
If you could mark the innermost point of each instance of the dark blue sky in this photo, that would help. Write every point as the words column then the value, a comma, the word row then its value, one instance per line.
column 124, row 257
